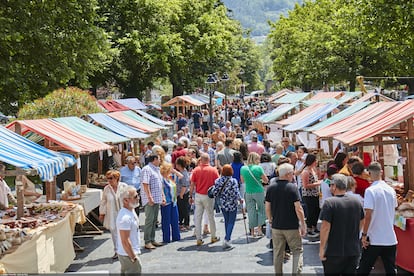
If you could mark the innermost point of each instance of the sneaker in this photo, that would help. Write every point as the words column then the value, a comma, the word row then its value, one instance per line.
column 226, row 244
column 305, row 241
column 215, row 239
column 200, row 242
column 312, row 234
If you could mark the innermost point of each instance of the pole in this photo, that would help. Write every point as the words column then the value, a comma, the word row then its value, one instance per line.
column 225, row 105
column 211, row 110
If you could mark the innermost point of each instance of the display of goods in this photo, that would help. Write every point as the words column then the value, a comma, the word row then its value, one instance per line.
column 406, row 209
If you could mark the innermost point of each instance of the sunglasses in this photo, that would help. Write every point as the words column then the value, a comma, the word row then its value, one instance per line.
column 109, row 178
column 135, row 197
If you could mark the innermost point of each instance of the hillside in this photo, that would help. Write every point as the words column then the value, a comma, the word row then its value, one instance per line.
column 254, row 14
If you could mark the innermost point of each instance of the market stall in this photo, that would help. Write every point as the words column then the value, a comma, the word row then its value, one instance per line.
column 59, row 137
column 396, row 122
column 48, row 249
column 33, row 237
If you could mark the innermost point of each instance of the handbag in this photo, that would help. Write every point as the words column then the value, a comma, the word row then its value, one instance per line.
column 210, row 190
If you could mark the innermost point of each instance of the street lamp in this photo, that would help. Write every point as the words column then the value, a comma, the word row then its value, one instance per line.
column 241, row 73
column 211, row 80
column 225, row 78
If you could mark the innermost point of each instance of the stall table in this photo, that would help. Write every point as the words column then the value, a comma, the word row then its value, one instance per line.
column 49, row 250
column 89, row 201
column 405, row 259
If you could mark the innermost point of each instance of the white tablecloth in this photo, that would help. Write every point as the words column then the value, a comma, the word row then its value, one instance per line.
column 49, row 250
column 90, row 199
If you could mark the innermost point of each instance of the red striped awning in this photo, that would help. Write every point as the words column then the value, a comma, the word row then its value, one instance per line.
column 112, row 105
column 359, row 117
column 60, row 135
column 120, row 116
column 387, row 119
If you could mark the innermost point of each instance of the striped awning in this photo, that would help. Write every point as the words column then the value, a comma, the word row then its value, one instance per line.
column 112, row 105
column 132, row 103
column 292, row 98
column 276, row 113
column 339, row 116
column 60, row 135
column 111, row 124
column 311, row 118
column 154, row 119
column 90, row 130
column 141, row 119
column 302, row 114
column 359, row 117
column 25, row 154
column 120, row 116
column 399, row 113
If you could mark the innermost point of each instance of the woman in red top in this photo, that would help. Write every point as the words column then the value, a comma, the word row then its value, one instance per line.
column 360, row 177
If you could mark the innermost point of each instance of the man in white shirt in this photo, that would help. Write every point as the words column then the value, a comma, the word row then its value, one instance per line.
column 378, row 236
column 128, row 238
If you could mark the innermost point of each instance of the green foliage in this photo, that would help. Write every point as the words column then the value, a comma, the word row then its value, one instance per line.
column 48, row 44
column 326, row 41
column 66, row 102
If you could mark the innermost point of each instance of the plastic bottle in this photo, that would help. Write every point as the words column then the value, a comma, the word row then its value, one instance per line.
column 400, row 172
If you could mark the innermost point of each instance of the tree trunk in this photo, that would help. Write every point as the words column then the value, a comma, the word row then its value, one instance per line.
column 352, row 84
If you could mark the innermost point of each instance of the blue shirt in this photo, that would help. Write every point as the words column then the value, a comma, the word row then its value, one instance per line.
column 131, row 177
column 236, row 170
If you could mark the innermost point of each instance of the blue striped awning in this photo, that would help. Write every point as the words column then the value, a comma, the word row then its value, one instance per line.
column 117, row 127
column 25, row 154
column 90, row 130
column 311, row 118
column 154, row 119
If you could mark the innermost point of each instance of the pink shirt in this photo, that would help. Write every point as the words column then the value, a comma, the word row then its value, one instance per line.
column 255, row 147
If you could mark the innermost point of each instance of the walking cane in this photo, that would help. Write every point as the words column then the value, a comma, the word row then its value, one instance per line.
column 244, row 220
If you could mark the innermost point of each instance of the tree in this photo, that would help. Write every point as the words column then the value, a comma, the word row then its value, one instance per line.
column 323, row 42
column 141, row 40
column 66, row 102
column 48, row 44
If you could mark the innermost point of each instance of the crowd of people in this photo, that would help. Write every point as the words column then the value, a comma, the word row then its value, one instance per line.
column 274, row 180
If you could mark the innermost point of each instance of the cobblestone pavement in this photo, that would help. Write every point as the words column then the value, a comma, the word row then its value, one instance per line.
column 185, row 257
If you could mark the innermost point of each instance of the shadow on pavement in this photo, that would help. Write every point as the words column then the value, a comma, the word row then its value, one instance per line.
column 207, row 247
column 266, row 258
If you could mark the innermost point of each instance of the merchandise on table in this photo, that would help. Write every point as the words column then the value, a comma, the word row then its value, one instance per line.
column 14, row 232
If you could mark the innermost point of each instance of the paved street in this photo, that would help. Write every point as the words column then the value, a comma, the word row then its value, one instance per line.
column 185, row 257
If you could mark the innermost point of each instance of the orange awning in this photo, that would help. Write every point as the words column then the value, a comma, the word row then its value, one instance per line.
column 355, row 119
column 60, row 135
column 387, row 119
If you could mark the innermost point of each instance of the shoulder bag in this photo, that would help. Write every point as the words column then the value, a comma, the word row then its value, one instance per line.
column 252, row 175
column 211, row 189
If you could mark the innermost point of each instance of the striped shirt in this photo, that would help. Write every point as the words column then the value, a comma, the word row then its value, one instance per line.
column 151, row 175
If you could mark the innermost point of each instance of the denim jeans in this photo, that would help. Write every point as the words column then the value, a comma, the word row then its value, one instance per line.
column 229, row 220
